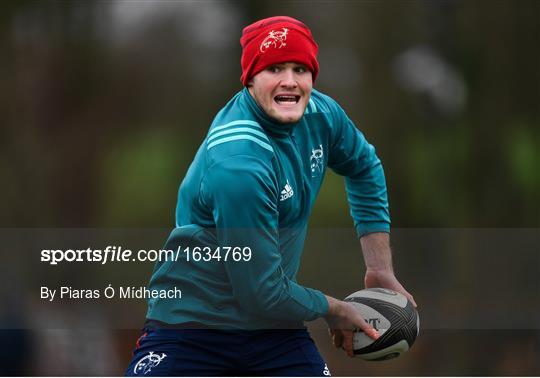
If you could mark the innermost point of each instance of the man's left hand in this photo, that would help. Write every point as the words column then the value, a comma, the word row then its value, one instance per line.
column 387, row 280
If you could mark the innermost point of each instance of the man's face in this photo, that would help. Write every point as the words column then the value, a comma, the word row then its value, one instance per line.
column 282, row 91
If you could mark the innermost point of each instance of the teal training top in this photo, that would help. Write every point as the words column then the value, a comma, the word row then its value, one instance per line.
column 253, row 183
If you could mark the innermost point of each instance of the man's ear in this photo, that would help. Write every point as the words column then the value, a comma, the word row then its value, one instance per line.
column 250, row 83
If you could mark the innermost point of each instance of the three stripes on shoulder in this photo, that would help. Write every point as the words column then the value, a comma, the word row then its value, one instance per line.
column 238, row 130
column 245, row 130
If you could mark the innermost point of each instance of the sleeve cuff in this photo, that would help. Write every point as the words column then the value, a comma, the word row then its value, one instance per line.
column 363, row 229
column 324, row 305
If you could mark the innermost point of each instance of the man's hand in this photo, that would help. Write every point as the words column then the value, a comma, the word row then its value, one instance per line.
column 343, row 319
column 378, row 259
column 386, row 279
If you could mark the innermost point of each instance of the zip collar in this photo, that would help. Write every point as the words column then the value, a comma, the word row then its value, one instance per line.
column 274, row 128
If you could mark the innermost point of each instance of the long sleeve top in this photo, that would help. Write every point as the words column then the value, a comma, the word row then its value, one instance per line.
column 253, row 183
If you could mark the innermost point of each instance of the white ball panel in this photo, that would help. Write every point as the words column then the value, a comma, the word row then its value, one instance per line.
column 372, row 316
column 399, row 347
column 382, row 294
column 361, row 340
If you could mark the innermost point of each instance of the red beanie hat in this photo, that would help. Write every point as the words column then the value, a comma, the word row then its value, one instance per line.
column 277, row 40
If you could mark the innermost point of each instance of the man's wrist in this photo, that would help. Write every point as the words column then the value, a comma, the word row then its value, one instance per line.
column 377, row 252
column 334, row 306
column 380, row 270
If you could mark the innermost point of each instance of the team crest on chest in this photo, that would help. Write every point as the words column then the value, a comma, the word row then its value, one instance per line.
column 275, row 38
column 316, row 161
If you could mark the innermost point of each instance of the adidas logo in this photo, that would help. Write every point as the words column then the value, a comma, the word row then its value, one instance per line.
column 287, row 192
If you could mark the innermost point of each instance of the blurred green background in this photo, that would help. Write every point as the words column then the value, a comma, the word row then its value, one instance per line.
column 104, row 103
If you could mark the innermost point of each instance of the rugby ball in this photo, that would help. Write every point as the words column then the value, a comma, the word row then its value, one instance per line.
column 392, row 315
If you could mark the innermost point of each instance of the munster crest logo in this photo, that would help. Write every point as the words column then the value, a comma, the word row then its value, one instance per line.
column 316, row 161
column 148, row 362
column 275, row 38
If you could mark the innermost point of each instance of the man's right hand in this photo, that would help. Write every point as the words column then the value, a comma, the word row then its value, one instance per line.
column 343, row 318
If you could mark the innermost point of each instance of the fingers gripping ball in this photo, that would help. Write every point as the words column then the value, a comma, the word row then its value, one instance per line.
column 392, row 315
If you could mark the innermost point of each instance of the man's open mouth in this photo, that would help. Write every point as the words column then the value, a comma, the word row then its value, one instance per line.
column 287, row 99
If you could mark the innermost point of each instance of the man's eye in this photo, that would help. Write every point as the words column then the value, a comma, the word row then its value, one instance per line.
column 300, row 69
column 273, row 69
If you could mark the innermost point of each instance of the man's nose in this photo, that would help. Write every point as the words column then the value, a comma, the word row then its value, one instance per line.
column 288, row 79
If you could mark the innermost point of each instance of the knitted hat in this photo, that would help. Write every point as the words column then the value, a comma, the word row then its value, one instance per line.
column 277, row 40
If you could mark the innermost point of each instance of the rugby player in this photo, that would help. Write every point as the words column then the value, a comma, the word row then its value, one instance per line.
column 251, row 188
